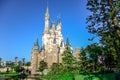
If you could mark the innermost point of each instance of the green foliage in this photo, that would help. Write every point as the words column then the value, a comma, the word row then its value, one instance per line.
column 104, row 22
column 62, row 76
column 15, row 68
column 42, row 66
column 83, row 61
column 88, row 59
column 28, row 64
column 20, row 63
column 94, row 51
column 9, row 73
column 12, row 76
column 116, row 66
column 82, row 76
column 56, row 68
column 68, row 59
column 110, row 76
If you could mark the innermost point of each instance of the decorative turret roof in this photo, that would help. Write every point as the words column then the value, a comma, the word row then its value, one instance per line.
column 68, row 45
column 53, row 26
column 59, row 21
column 36, row 43
column 67, row 42
column 59, row 25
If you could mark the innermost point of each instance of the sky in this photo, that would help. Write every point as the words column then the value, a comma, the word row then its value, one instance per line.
column 22, row 22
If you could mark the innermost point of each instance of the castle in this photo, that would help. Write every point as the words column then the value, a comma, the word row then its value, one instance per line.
column 53, row 45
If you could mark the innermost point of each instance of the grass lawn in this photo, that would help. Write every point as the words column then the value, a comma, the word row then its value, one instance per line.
column 62, row 76
column 107, row 76
column 11, row 76
column 81, row 76
column 8, row 74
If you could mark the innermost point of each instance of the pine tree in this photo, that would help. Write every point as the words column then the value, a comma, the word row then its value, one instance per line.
column 83, row 62
column 68, row 59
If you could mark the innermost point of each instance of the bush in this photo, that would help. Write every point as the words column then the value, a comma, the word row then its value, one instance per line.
column 116, row 66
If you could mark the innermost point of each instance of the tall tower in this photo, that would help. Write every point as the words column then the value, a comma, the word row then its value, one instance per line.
column 59, row 33
column 16, row 60
column 47, row 18
column 45, row 35
column 34, row 57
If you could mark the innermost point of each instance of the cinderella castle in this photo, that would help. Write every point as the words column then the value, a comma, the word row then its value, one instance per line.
column 52, row 47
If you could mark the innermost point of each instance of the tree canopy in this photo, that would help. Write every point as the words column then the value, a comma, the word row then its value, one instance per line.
column 68, row 58
column 104, row 22
column 42, row 66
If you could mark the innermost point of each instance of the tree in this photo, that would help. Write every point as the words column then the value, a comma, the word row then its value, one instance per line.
column 68, row 58
column 110, row 58
column 28, row 64
column 104, row 22
column 42, row 66
column 90, row 55
column 83, row 61
column 17, row 68
column 56, row 68
column 20, row 63
column 94, row 50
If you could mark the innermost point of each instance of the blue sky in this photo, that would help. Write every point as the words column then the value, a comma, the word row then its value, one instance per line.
column 22, row 21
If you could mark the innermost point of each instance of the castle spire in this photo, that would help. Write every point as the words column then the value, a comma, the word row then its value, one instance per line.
column 47, row 18
column 47, row 12
column 67, row 42
column 59, row 25
column 36, row 43
column 53, row 25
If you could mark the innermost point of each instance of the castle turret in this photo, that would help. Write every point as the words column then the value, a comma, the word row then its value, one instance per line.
column 34, row 57
column 77, row 53
column 16, row 60
column 67, row 42
column 59, row 25
column 36, row 45
column 53, row 26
